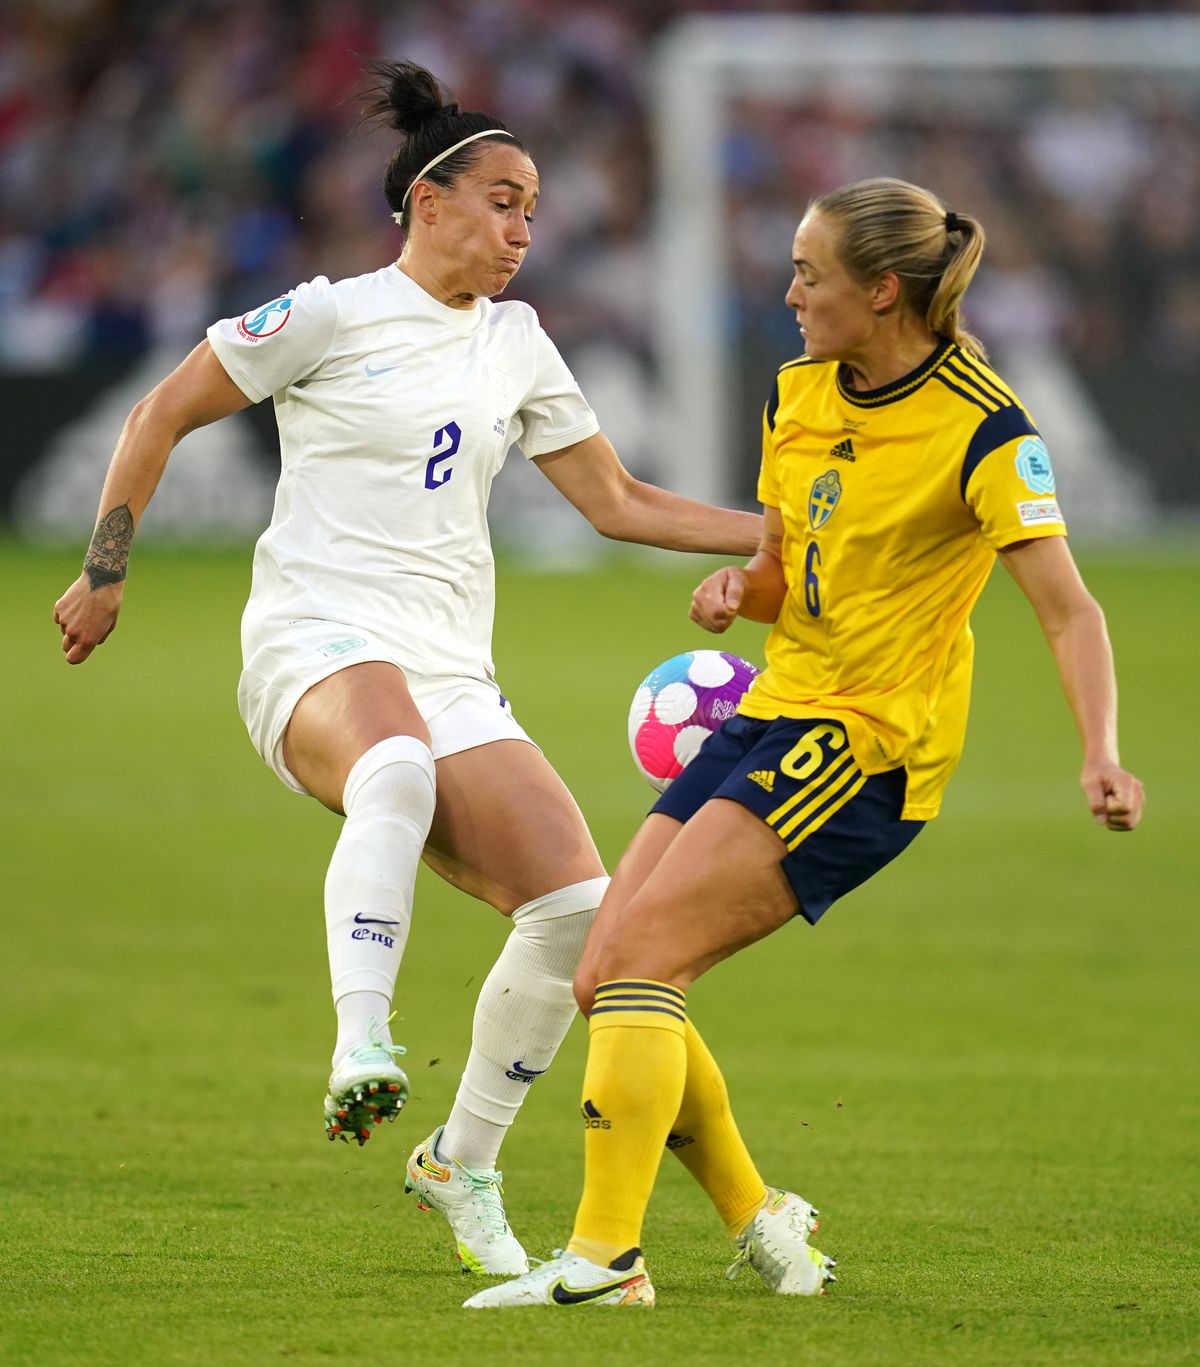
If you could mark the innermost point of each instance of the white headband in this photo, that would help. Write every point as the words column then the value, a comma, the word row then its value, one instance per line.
column 441, row 156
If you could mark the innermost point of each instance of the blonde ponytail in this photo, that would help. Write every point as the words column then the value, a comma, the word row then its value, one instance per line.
column 890, row 225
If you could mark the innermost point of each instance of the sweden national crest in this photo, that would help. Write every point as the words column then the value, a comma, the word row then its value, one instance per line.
column 823, row 499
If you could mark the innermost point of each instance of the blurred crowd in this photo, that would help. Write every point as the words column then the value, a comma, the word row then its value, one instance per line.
column 1088, row 187
column 164, row 164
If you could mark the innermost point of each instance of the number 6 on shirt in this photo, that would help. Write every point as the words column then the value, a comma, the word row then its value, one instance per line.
column 812, row 585
column 449, row 436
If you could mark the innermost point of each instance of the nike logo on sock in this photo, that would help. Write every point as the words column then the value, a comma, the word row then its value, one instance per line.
column 372, row 920
column 371, row 370
column 570, row 1295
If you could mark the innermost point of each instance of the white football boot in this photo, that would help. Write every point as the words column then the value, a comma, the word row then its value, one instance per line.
column 366, row 1087
column 775, row 1244
column 568, row 1279
column 472, row 1201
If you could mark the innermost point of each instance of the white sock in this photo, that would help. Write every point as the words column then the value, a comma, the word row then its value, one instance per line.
column 360, row 1016
column 524, row 1009
column 388, row 801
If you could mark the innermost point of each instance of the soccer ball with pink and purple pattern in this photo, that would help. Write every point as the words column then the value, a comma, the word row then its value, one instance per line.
column 679, row 705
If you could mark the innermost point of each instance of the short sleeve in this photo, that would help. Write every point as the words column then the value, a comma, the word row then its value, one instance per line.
column 278, row 343
column 768, row 477
column 554, row 414
column 1010, row 488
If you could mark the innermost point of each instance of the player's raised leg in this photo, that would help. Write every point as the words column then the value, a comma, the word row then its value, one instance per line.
column 508, row 831
column 357, row 742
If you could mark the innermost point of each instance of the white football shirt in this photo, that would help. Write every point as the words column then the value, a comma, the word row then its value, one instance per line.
column 395, row 414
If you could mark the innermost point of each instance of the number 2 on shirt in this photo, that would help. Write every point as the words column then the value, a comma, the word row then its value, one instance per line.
column 445, row 444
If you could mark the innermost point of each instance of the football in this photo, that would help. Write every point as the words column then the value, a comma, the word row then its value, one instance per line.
column 679, row 705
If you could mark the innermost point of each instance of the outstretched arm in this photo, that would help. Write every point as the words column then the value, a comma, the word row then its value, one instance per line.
column 1075, row 629
column 197, row 392
column 756, row 591
column 590, row 476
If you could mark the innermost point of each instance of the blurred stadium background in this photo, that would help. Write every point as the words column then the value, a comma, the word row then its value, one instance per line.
column 165, row 164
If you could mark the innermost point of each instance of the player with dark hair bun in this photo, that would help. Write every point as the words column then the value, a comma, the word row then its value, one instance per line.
column 411, row 100
column 368, row 680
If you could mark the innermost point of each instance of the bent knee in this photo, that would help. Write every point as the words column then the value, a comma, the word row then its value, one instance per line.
column 584, row 986
column 599, row 967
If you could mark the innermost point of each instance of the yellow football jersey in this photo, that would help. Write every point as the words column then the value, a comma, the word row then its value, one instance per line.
column 894, row 503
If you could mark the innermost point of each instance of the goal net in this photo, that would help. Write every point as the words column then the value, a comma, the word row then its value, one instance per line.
column 1074, row 141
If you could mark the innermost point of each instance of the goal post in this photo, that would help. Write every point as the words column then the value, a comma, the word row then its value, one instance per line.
column 703, row 63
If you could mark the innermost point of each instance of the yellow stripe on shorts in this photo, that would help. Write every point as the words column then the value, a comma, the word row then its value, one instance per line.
column 818, row 783
column 809, row 819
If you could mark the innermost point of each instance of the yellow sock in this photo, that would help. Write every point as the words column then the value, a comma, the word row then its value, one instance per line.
column 705, row 1139
column 631, row 1091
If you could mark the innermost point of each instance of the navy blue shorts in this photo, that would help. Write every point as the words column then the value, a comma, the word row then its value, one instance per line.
column 840, row 825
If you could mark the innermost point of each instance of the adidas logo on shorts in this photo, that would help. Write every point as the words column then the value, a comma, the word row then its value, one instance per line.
column 765, row 778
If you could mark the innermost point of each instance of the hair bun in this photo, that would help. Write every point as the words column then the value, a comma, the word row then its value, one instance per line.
column 407, row 95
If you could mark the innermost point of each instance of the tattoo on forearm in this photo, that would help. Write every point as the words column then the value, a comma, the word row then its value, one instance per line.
column 108, row 555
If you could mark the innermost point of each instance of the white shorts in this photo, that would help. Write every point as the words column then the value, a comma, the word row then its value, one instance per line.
column 461, row 713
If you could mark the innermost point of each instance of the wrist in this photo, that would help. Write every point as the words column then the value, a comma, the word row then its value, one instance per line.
column 102, row 577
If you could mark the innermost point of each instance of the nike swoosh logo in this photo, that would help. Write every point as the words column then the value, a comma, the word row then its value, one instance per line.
column 381, row 370
column 425, row 1165
column 570, row 1295
column 372, row 920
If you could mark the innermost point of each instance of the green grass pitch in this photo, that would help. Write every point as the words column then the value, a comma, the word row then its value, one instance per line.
column 981, row 1065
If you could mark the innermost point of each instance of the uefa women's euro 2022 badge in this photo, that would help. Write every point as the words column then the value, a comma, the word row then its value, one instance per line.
column 823, row 499
column 1033, row 465
column 259, row 324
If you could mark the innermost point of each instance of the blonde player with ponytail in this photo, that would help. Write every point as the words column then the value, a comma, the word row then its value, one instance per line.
column 897, row 466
